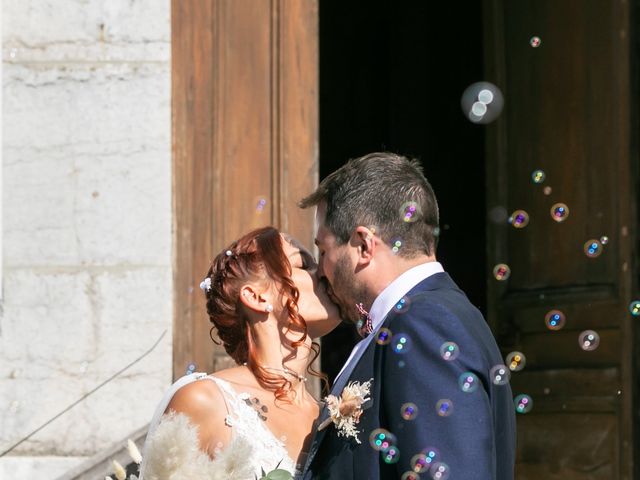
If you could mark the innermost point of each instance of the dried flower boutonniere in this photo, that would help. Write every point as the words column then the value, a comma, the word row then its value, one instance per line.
column 345, row 411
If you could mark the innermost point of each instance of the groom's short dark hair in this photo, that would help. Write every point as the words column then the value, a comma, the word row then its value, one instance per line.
column 382, row 190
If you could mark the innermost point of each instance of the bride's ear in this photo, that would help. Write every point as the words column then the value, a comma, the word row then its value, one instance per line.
column 253, row 299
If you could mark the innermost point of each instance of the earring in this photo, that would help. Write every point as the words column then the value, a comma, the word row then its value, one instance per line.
column 268, row 308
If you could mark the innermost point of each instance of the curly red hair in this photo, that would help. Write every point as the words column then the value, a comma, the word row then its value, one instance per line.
column 256, row 256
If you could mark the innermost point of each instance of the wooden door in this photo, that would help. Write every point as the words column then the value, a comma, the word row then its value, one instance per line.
column 245, row 130
column 567, row 113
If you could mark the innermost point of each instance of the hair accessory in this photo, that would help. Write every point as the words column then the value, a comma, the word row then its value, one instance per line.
column 228, row 253
column 268, row 308
column 205, row 285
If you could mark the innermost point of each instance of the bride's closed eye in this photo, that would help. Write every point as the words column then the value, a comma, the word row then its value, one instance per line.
column 308, row 262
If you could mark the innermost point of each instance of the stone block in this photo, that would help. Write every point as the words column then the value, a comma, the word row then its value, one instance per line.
column 87, row 30
column 69, row 334
column 69, row 174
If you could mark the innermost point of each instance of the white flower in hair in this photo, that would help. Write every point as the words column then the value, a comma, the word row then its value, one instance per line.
column 205, row 285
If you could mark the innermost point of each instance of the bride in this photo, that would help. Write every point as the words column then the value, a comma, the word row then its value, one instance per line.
column 266, row 304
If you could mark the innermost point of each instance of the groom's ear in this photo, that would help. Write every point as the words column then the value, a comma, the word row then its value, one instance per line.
column 365, row 240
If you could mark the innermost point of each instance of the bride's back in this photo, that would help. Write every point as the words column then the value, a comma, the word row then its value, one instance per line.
column 231, row 406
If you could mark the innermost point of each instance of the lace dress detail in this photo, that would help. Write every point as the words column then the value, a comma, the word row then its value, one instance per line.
column 245, row 423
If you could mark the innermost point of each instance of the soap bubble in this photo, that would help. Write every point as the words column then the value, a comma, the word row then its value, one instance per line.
column 440, row 471
column 402, row 305
column 604, row 240
column 592, row 248
column 383, row 337
column 468, row 382
column 449, row 351
column 634, row 308
column 410, row 212
column 482, row 102
column 431, row 454
column 559, row 212
column 516, row 361
column 401, row 343
column 554, row 319
column 589, row 340
column 444, row 407
column 501, row 272
column 523, row 403
column 538, row 176
column 499, row 375
column 396, row 244
column 519, row 219
column 260, row 204
column 391, row 455
column 535, row 42
column 409, row 411
column 381, row 439
column 419, row 463
column 547, row 190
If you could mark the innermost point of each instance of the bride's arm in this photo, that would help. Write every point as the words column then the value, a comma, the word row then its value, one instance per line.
column 203, row 403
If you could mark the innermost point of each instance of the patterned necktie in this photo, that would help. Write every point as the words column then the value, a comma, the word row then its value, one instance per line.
column 365, row 324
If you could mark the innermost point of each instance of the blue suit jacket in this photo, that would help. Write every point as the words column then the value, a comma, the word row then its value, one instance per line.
column 476, row 440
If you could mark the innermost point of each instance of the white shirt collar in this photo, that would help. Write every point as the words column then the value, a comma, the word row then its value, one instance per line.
column 399, row 288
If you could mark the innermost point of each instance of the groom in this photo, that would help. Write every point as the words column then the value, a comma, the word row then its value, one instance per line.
column 437, row 406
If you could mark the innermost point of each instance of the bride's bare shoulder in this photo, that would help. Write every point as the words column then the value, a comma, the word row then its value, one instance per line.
column 201, row 398
column 204, row 405
column 204, row 397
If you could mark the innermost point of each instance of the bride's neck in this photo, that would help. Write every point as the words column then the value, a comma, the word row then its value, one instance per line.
column 275, row 351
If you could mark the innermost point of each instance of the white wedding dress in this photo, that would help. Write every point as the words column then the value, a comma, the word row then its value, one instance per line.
column 171, row 449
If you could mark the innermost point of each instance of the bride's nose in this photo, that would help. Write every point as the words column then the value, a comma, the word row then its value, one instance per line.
column 320, row 270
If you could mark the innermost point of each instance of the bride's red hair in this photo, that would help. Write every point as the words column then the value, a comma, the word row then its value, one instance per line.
column 256, row 256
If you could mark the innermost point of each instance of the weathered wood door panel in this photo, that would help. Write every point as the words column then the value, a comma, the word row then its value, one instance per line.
column 245, row 134
column 566, row 113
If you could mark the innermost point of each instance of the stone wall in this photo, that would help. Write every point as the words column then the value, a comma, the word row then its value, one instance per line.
column 86, row 224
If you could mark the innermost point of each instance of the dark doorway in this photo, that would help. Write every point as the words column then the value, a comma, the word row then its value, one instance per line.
column 391, row 78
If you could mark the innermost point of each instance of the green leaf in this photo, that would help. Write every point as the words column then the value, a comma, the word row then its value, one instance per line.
column 279, row 474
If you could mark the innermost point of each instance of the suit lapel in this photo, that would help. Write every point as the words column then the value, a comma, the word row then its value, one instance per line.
column 342, row 380
column 434, row 282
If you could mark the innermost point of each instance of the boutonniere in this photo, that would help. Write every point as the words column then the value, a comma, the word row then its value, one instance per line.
column 345, row 411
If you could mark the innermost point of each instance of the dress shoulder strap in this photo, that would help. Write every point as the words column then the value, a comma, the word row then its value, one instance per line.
column 225, row 389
